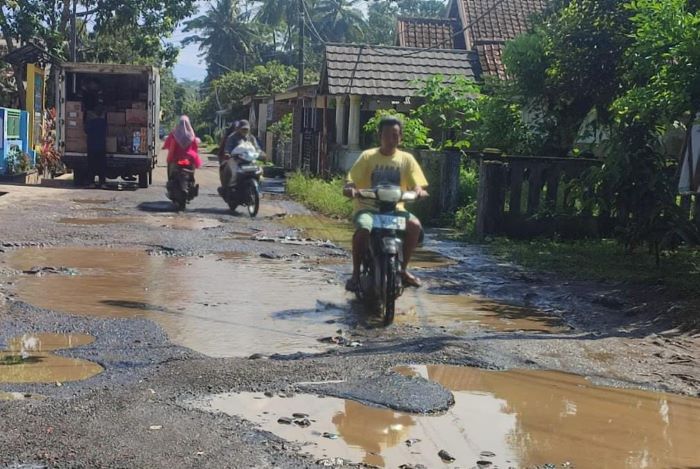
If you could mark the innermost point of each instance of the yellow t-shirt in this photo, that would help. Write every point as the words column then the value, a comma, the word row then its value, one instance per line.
column 373, row 168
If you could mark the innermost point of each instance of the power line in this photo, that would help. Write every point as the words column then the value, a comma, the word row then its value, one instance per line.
column 311, row 25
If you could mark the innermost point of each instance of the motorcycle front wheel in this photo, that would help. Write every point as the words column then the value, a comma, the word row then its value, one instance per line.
column 254, row 200
column 389, row 291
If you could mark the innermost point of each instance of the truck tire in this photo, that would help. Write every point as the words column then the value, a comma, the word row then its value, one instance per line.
column 79, row 177
column 150, row 177
column 143, row 180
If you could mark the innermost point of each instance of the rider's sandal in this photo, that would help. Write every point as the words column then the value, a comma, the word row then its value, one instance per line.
column 411, row 280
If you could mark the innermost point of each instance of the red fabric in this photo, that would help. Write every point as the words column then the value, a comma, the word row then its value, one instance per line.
column 177, row 153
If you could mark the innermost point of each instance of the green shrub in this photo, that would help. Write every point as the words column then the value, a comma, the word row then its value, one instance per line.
column 323, row 196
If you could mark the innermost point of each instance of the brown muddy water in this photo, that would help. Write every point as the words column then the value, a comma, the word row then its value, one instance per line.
column 28, row 359
column 517, row 419
column 461, row 312
column 220, row 307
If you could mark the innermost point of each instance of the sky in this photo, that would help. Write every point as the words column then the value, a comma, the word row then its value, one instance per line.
column 189, row 66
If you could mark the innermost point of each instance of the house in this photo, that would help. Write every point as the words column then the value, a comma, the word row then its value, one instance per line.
column 357, row 80
column 477, row 26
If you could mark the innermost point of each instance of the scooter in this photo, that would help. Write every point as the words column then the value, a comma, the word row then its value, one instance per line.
column 380, row 275
column 245, row 190
column 181, row 186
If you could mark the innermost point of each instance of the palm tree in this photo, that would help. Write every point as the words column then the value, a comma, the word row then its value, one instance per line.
column 225, row 37
column 339, row 20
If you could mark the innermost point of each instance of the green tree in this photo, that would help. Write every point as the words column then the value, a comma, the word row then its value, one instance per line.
column 570, row 65
column 110, row 30
column 381, row 17
column 450, row 108
column 227, row 40
column 339, row 20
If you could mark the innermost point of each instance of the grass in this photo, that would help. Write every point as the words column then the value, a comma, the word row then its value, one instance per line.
column 605, row 260
column 325, row 197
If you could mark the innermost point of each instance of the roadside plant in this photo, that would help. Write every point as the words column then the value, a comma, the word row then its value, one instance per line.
column 415, row 134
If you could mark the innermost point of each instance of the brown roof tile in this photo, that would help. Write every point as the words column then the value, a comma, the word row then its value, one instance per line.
column 426, row 32
column 388, row 71
column 490, row 59
column 508, row 20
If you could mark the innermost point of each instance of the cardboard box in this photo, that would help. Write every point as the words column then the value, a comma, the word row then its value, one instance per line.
column 111, row 146
column 75, row 124
column 74, row 106
column 141, row 106
column 137, row 116
column 73, row 133
column 76, row 145
column 116, row 118
column 116, row 130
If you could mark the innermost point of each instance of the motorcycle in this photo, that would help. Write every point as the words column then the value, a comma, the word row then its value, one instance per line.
column 380, row 275
column 181, row 186
column 245, row 190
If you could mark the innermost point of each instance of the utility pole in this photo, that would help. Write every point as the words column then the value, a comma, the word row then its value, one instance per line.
column 74, row 33
column 300, row 66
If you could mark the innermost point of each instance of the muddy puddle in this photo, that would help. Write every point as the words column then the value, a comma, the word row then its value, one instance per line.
column 28, row 359
column 518, row 419
column 172, row 222
column 340, row 233
column 217, row 306
column 465, row 311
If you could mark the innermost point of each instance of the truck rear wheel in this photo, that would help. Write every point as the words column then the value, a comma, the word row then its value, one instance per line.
column 79, row 177
column 143, row 180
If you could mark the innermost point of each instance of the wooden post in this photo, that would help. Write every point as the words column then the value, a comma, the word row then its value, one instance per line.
column 489, row 211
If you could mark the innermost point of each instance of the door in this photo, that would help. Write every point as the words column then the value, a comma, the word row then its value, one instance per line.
column 154, row 114
column 61, row 109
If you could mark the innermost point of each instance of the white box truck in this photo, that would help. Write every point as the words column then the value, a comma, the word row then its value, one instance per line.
column 127, row 97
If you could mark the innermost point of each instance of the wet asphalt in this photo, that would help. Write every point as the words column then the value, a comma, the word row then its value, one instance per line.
column 132, row 414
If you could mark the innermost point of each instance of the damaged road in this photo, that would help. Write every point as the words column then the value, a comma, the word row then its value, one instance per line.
column 225, row 341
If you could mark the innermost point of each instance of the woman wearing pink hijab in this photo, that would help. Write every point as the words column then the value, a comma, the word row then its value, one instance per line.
column 183, row 146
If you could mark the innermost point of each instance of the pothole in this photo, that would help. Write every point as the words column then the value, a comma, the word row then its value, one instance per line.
column 459, row 311
column 28, row 359
column 214, row 305
column 501, row 419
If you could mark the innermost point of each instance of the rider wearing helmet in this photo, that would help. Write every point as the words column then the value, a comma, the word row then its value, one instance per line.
column 227, row 171
column 384, row 165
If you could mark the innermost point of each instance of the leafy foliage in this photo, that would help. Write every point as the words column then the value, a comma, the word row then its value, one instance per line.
column 282, row 129
column 415, row 134
column 450, row 109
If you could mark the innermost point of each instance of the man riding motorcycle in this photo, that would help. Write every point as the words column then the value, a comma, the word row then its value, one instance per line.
column 384, row 165
column 228, row 172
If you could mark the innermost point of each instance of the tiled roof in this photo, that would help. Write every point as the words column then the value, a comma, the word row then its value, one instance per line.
column 426, row 32
column 494, row 27
column 506, row 21
column 490, row 59
column 387, row 71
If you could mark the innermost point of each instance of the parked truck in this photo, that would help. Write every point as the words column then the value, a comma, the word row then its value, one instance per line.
column 128, row 97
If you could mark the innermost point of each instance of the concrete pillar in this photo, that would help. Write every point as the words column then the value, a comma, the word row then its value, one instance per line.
column 354, row 124
column 339, row 120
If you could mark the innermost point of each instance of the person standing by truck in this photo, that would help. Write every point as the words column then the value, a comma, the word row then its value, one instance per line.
column 96, row 130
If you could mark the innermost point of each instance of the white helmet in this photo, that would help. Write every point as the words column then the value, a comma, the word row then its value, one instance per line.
column 246, row 151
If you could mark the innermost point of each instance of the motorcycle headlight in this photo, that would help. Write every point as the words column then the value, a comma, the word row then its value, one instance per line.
column 389, row 194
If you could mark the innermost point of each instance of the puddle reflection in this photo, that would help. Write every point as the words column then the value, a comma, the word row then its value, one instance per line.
column 217, row 307
column 511, row 419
